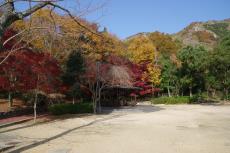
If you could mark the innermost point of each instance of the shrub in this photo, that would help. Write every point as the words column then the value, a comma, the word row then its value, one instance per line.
column 194, row 99
column 171, row 100
column 199, row 98
column 4, row 94
column 79, row 108
column 228, row 97
column 219, row 28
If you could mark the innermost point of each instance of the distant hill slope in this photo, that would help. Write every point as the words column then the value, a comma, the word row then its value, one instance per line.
column 137, row 35
column 204, row 33
column 199, row 33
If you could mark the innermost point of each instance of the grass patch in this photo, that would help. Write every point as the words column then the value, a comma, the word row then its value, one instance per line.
column 171, row 100
column 79, row 108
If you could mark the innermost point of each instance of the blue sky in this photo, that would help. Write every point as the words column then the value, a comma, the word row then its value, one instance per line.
column 127, row 17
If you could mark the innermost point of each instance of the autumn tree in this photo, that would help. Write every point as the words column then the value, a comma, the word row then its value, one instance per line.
column 41, row 27
column 57, row 34
column 96, row 78
column 143, row 52
column 141, row 49
column 16, row 74
column 98, row 48
column 164, row 43
column 9, row 15
column 46, row 74
column 27, row 71
column 152, row 74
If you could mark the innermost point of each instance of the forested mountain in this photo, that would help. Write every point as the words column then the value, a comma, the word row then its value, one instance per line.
column 206, row 34
column 191, row 61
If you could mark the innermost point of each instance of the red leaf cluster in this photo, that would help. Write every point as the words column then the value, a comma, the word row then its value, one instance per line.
column 27, row 70
column 134, row 70
column 10, row 41
column 138, row 70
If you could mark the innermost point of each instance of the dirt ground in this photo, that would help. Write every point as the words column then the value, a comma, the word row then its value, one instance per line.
column 140, row 129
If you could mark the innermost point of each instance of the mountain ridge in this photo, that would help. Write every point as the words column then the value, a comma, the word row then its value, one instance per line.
column 206, row 33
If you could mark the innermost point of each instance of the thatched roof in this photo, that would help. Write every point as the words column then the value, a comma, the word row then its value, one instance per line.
column 123, row 87
column 39, row 92
column 119, row 76
column 56, row 96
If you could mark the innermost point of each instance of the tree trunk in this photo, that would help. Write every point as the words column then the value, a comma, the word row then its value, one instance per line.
column 94, row 106
column 182, row 91
column 226, row 93
column 99, row 106
column 10, row 100
column 97, row 85
column 35, row 106
column 208, row 94
column 169, row 94
column 94, row 103
column 177, row 92
column 10, row 15
column 93, row 97
column 213, row 93
column 152, row 91
column 99, row 101
column 190, row 91
column 73, row 100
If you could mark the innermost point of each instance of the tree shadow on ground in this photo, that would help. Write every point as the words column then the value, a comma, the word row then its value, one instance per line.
column 105, row 111
column 127, row 110
column 24, row 148
column 49, row 119
column 25, row 126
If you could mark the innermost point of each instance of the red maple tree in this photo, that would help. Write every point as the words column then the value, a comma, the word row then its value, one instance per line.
column 26, row 71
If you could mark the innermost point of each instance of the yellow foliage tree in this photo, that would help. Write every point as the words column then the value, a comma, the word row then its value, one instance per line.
column 153, row 75
column 60, row 35
column 141, row 49
column 57, row 34
column 164, row 43
column 43, row 35
column 97, row 48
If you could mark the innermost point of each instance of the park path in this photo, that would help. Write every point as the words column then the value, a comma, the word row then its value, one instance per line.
column 140, row 129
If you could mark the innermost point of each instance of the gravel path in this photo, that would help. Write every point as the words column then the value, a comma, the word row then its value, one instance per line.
column 141, row 129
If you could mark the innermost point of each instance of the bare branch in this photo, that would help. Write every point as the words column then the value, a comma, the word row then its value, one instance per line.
column 16, row 49
column 23, row 31
column 69, row 14
column 11, row 16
